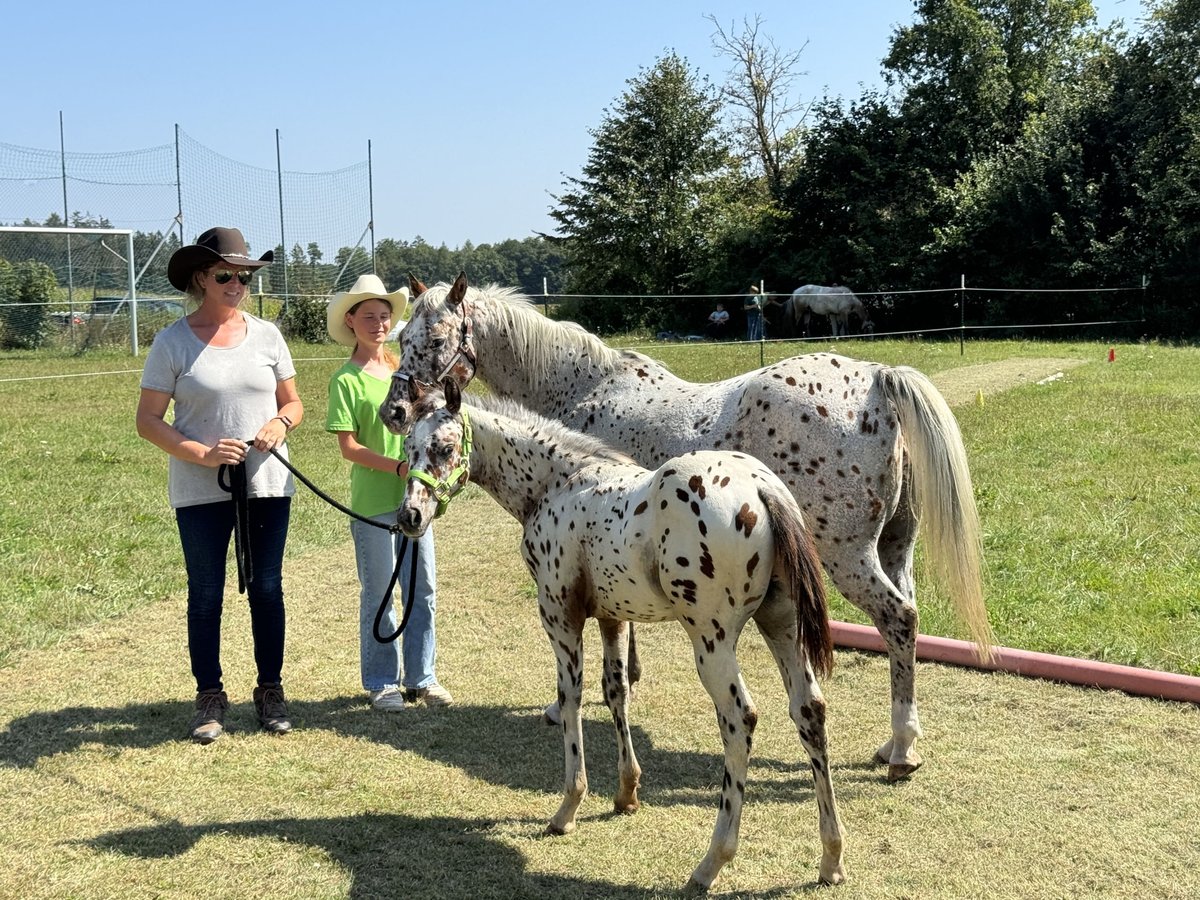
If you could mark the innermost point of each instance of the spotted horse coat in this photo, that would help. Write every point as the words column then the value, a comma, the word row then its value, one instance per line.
column 869, row 451
column 709, row 539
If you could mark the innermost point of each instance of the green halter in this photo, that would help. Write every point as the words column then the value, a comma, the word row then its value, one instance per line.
column 443, row 491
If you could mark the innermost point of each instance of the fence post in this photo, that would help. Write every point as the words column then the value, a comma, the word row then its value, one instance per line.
column 962, row 315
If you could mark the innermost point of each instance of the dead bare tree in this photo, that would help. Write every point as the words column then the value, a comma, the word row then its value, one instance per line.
column 766, row 121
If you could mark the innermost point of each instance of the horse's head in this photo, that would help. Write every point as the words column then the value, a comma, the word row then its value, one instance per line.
column 438, row 447
column 434, row 345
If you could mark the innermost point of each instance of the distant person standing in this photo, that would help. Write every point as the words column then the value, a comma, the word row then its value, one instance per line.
column 752, row 305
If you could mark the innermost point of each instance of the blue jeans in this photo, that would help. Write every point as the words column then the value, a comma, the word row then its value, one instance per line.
column 375, row 552
column 205, row 531
column 754, row 325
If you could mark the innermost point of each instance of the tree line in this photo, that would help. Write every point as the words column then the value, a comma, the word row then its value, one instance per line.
column 1016, row 143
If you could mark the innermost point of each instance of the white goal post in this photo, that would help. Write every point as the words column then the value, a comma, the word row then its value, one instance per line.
column 130, row 295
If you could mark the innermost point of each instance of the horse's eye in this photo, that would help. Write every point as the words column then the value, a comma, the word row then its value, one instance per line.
column 438, row 343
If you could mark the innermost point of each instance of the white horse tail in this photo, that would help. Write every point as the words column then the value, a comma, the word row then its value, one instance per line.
column 796, row 555
column 942, row 496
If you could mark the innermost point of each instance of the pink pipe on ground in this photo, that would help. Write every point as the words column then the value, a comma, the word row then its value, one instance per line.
column 1132, row 680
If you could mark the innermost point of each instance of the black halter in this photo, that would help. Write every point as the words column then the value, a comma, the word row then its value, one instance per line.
column 464, row 351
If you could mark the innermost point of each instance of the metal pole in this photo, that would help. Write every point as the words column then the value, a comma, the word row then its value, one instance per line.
column 282, row 236
column 62, row 156
column 762, row 326
column 371, row 205
column 962, row 315
column 133, row 336
column 178, row 187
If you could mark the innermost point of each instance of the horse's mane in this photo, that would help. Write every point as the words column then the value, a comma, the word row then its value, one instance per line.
column 537, row 341
column 570, row 443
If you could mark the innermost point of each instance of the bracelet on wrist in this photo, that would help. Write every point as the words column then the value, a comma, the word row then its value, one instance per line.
column 399, row 465
column 288, row 424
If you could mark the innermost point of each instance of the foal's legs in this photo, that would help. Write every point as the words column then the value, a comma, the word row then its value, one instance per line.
column 736, row 718
column 776, row 619
column 616, row 636
column 567, row 641
column 552, row 715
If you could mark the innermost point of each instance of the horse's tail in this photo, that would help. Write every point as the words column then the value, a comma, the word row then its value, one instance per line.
column 796, row 556
column 942, row 496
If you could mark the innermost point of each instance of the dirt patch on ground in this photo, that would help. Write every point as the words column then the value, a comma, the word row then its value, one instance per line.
column 963, row 385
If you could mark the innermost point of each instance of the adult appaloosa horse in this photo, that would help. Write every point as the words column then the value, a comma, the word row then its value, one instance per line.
column 871, row 452
column 709, row 539
column 836, row 301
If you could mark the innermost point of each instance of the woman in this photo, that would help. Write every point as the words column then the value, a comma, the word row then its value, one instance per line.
column 229, row 375
column 753, row 307
column 362, row 319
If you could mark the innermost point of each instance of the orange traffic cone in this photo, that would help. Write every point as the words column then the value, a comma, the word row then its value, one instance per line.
column 1112, row 355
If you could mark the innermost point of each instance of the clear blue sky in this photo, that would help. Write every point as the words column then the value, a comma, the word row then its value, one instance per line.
column 475, row 110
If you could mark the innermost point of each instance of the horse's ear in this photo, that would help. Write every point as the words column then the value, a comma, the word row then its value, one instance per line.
column 453, row 395
column 415, row 287
column 458, row 291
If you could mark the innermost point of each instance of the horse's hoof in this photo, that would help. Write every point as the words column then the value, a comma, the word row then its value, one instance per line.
column 626, row 809
column 552, row 715
column 694, row 888
column 901, row 771
column 835, row 875
column 559, row 830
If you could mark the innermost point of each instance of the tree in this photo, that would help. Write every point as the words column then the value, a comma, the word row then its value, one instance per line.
column 766, row 121
column 25, row 290
column 974, row 71
column 633, row 222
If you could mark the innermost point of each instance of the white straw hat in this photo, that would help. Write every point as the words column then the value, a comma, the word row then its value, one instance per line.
column 367, row 287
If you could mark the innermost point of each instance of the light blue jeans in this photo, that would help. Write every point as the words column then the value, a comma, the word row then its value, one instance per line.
column 375, row 552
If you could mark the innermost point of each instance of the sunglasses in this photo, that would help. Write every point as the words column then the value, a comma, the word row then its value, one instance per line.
column 225, row 276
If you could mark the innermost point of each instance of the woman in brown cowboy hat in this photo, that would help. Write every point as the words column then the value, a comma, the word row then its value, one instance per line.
column 229, row 375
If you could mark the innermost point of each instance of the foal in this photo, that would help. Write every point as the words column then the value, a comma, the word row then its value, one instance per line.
column 709, row 539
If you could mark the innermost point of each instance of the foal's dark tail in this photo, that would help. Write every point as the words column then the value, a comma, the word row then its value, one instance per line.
column 797, row 555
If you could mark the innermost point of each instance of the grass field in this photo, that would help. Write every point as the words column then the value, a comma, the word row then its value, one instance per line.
column 1087, row 487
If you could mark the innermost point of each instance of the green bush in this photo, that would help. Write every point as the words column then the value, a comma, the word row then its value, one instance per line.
column 25, row 289
column 303, row 319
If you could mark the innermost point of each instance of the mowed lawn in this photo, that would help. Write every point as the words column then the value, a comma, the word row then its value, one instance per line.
column 1087, row 486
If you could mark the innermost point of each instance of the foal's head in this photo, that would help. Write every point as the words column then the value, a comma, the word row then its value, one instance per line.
column 438, row 447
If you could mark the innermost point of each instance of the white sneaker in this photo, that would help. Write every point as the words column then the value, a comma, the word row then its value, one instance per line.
column 389, row 699
column 434, row 695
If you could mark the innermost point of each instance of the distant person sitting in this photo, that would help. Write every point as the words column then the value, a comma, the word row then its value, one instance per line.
column 718, row 323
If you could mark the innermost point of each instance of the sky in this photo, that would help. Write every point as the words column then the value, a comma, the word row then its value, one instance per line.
column 475, row 112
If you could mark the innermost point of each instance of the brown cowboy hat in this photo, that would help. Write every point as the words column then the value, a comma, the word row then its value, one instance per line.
column 212, row 246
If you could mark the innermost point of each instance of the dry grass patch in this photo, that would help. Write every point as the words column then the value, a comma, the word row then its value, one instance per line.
column 964, row 384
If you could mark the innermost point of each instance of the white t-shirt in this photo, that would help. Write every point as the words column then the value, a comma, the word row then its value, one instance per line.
column 221, row 392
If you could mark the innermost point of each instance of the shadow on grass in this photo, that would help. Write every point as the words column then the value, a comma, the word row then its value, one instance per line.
column 506, row 747
column 467, row 864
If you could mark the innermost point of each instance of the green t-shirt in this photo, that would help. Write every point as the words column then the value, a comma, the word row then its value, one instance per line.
column 354, row 399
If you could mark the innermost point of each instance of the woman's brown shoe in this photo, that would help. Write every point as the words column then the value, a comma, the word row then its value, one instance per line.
column 272, row 708
column 208, row 723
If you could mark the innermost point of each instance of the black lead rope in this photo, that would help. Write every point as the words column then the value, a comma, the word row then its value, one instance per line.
column 232, row 480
